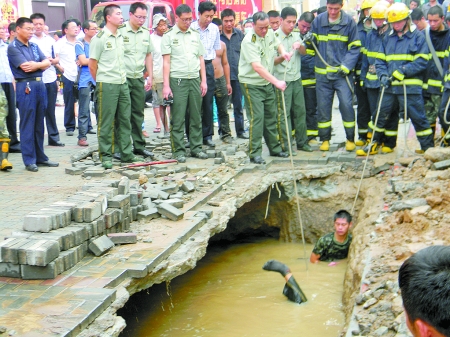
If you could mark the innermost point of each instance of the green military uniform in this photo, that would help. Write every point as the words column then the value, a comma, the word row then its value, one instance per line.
column 293, row 95
column 137, row 45
column 185, row 50
column 258, row 93
column 4, row 135
column 112, row 94
column 329, row 249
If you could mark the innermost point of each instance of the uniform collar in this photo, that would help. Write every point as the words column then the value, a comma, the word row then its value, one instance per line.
column 323, row 19
column 178, row 30
column 280, row 33
column 412, row 28
column 109, row 33
column 129, row 29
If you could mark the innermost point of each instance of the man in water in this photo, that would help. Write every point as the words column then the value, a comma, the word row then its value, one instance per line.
column 291, row 289
column 334, row 246
column 424, row 281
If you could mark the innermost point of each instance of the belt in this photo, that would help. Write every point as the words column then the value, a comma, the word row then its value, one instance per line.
column 29, row 79
column 208, row 61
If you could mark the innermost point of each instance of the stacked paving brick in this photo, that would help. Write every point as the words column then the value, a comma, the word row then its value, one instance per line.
column 55, row 238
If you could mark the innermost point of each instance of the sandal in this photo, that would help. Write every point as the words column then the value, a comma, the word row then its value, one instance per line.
column 157, row 130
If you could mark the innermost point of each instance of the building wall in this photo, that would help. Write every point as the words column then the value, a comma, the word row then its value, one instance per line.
column 57, row 11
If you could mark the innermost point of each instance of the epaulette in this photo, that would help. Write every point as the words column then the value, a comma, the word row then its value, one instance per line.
column 254, row 38
column 296, row 29
column 195, row 30
column 168, row 30
column 276, row 34
column 144, row 28
column 122, row 25
column 100, row 33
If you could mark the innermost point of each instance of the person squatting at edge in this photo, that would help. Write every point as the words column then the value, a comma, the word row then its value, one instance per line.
column 291, row 289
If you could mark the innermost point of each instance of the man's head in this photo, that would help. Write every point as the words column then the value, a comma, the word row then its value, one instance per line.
column 38, row 20
column 24, row 29
column 304, row 23
column 436, row 18
column 57, row 35
column 89, row 28
column 183, row 16
column 3, row 28
column 261, row 23
column 342, row 222
column 12, row 30
column 113, row 15
column 288, row 19
column 447, row 19
column 413, row 4
column 424, row 280
column 218, row 23
column 334, row 9
column 274, row 19
column 418, row 19
column 206, row 11
column 228, row 19
column 378, row 14
column 69, row 28
column 160, row 24
column 138, row 14
column 248, row 25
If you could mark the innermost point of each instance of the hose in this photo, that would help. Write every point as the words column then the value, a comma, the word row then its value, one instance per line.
column 330, row 66
column 446, row 122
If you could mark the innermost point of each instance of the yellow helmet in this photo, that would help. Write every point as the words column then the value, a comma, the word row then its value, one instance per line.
column 379, row 10
column 368, row 4
column 398, row 12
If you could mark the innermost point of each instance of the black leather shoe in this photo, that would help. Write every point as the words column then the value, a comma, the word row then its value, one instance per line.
column 144, row 152
column 15, row 148
column 49, row 163
column 281, row 155
column 257, row 160
column 117, row 156
column 243, row 135
column 32, row 168
column 187, row 145
column 209, row 143
column 304, row 147
column 58, row 143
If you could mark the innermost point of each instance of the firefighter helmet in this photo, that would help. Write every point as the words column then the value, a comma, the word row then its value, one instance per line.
column 398, row 12
column 368, row 4
column 379, row 10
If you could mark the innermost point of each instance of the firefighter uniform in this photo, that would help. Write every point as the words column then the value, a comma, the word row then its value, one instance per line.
column 443, row 112
column 309, row 91
column 404, row 59
column 293, row 95
column 432, row 93
column 339, row 45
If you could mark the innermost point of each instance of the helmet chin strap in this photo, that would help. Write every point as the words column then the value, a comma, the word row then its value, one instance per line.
column 403, row 28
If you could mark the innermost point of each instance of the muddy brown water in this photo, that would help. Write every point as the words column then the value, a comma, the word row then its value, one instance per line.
column 229, row 294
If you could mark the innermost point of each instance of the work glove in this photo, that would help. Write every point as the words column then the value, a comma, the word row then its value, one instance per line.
column 308, row 37
column 362, row 86
column 343, row 71
column 385, row 81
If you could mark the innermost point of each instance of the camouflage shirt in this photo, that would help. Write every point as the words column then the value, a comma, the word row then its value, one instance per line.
column 329, row 249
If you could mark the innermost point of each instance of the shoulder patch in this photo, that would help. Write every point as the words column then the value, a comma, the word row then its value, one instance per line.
column 254, row 38
column 276, row 34
column 122, row 25
column 195, row 30
column 144, row 28
column 168, row 30
column 100, row 33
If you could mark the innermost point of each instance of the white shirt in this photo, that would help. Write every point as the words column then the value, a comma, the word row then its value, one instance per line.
column 67, row 57
column 6, row 75
column 210, row 38
column 45, row 44
column 157, row 58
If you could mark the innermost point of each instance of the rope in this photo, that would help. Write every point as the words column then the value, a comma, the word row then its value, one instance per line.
column 330, row 66
column 370, row 148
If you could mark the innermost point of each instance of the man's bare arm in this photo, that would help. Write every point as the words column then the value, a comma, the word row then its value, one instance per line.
column 93, row 66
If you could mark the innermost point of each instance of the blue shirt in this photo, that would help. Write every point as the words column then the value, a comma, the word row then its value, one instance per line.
column 233, row 51
column 19, row 53
column 85, row 75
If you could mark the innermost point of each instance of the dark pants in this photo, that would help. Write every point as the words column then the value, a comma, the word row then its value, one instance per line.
column 387, row 122
column 237, row 107
column 325, row 93
column 32, row 108
column 137, row 96
column 260, row 104
column 362, row 112
column 311, row 112
column 50, row 118
column 84, row 101
column 221, row 95
column 69, row 101
column 207, row 103
column 445, row 114
column 11, row 119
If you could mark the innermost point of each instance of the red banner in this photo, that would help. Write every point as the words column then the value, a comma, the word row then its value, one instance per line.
column 8, row 11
